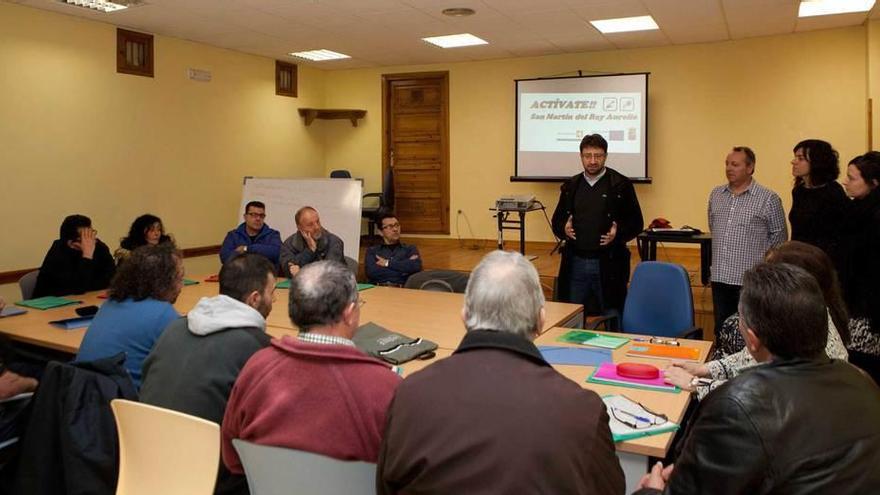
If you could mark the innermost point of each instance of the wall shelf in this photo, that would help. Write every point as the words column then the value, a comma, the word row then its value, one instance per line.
column 310, row 114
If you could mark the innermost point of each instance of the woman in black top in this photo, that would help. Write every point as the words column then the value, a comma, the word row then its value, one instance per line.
column 819, row 204
column 861, row 269
column 146, row 229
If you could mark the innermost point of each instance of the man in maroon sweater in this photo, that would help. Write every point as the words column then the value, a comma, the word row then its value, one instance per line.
column 317, row 392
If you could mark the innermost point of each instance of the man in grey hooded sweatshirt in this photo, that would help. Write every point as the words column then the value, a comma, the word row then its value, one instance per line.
column 196, row 360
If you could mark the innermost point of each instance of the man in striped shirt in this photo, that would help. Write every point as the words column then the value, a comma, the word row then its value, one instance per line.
column 746, row 219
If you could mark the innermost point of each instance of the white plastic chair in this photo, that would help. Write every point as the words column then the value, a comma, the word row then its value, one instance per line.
column 164, row 451
column 280, row 471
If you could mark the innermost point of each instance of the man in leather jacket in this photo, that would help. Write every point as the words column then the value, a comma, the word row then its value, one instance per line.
column 799, row 423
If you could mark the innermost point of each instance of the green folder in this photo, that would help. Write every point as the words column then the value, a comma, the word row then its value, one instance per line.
column 285, row 284
column 593, row 339
column 47, row 302
column 188, row 281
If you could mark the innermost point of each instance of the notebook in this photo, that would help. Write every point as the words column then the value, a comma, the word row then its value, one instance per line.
column 620, row 406
column 575, row 356
column 284, row 284
column 47, row 302
column 73, row 323
column 11, row 311
column 593, row 339
column 365, row 287
column 607, row 374
column 662, row 351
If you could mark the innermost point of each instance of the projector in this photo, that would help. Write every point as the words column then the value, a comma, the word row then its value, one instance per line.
column 515, row 202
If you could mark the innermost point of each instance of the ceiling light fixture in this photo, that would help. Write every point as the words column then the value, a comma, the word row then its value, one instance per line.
column 625, row 24
column 100, row 5
column 455, row 40
column 458, row 12
column 810, row 8
column 320, row 55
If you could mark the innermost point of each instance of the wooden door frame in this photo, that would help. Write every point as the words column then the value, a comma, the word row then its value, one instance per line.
column 387, row 79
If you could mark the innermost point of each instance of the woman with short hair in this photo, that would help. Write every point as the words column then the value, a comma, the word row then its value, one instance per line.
column 139, row 307
column 146, row 230
column 818, row 202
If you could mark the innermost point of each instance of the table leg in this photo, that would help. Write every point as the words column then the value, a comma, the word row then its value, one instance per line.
column 522, row 233
column 500, row 218
column 634, row 467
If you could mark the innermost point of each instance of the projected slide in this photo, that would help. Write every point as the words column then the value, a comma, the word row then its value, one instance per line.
column 553, row 115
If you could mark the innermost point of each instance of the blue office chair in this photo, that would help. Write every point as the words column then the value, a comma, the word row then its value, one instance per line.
column 659, row 302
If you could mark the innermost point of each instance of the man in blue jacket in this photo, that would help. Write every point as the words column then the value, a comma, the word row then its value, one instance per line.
column 391, row 262
column 252, row 236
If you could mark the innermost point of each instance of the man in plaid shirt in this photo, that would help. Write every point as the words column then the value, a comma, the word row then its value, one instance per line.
column 746, row 219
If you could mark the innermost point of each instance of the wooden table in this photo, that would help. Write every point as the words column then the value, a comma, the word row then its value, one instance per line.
column 633, row 454
column 435, row 316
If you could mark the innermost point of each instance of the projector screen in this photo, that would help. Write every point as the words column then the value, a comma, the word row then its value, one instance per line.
column 554, row 114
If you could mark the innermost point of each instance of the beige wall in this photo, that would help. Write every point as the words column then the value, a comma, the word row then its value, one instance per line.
column 767, row 93
column 113, row 146
column 75, row 136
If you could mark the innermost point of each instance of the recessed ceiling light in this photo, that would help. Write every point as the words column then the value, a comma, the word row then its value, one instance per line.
column 320, row 55
column 459, row 12
column 456, row 40
column 810, row 8
column 625, row 24
column 101, row 5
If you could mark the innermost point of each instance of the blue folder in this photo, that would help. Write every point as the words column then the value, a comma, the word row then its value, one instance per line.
column 577, row 356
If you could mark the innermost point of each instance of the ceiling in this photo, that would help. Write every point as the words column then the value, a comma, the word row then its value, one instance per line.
column 388, row 32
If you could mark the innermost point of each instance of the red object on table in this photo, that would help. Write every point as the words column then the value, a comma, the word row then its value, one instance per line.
column 638, row 370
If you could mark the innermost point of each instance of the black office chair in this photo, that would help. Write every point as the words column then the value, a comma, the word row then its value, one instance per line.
column 340, row 174
column 381, row 201
column 438, row 280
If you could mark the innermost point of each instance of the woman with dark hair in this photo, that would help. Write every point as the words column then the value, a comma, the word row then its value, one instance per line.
column 861, row 266
column 146, row 229
column 731, row 357
column 139, row 308
column 818, row 204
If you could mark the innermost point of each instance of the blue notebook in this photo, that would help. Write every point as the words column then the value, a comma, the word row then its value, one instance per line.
column 576, row 356
column 73, row 323
column 11, row 311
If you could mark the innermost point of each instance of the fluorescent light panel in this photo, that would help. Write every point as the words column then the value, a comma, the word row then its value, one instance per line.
column 320, row 55
column 625, row 24
column 455, row 40
column 99, row 5
column 810, row 8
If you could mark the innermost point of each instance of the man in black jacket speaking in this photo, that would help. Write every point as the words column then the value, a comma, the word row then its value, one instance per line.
column 597, row 214
column 798, row 423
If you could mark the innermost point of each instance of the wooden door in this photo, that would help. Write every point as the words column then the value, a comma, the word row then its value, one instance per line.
column 415, row 123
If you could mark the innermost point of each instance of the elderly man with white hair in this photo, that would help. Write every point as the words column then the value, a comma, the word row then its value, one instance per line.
column 495, row 417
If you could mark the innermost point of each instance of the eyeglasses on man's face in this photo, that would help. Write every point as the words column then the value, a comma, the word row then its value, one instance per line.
column 391, row 226
column 590, row 156
column 254, row 214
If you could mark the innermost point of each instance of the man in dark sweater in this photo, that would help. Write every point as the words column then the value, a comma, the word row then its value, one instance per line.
column 597, row 214
column 195, row 363
column 77, row 262
column 495, row 417
column 391, row 262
